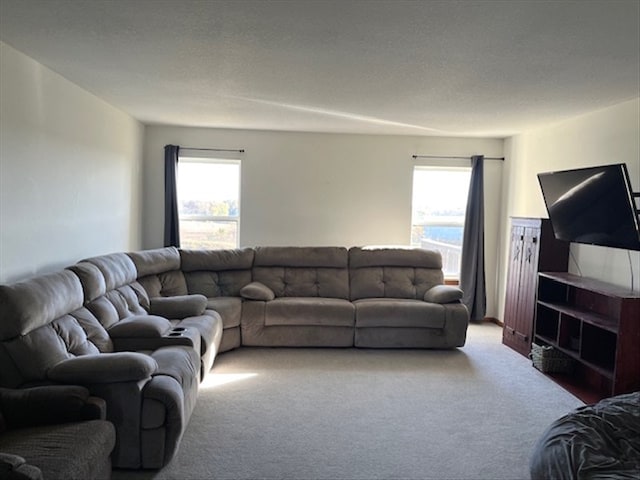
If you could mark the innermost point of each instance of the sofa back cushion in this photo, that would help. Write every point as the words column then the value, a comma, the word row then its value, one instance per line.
column 393, row 272
column 217, row 273
column 159, row 272
column 111, row 291
column 303, row 271
column 42, row 322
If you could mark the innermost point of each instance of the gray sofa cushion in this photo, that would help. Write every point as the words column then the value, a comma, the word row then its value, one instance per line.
column 226, row 283
column 153, row 262
column 229, row 308
column 304, row 281
column 385, row 272
column 117, row 268
column 257, row 291
column 443, row 294
column 361, row 257
column 389, row 312
column 393, row 282
column 70, row 451
column 140, row 326
column 216, row 260
column 325, row 257
column 103, row 368
column 310, row 311
column 178, row 307
column 36, row 302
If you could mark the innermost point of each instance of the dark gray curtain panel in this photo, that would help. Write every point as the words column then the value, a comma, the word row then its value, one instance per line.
column 472, row 277
column 171, row 220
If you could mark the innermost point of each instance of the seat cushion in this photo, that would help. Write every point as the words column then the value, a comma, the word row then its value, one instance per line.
column 73, row 451
column 398, row 313
column 229, row 308
column 309, row 311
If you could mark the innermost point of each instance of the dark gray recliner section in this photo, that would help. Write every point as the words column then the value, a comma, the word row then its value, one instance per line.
column 54, row 432
column 84, row 326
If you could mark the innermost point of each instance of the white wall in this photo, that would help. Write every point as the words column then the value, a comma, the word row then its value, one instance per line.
column 323, row 189
column 70, row 171
column 606, row 136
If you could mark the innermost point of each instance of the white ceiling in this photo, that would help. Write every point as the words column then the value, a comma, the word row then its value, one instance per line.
column 473, row 68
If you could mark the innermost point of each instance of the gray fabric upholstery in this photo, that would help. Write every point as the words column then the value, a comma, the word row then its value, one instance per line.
column 130, row 301
column 401, row 301
column 141, row 326
column 362, row 257
column 394, row 313
column 64, row 328
column 303, row 271
column 309, row 311
column 225, row 283
column 117, row 268
column 54, row 432
column 153, row 262
column 159, row 272
column 216, row 260
column 179, row 306
column 229, row 308
column 324, row 257
column 70, row 451
column 257, row 291
column 443, row 294
column 36, row 302
column 103, row 368
column 230, row 311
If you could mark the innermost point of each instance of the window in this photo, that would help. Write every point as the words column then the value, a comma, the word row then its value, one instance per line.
column 438, row 210
column 209, row 202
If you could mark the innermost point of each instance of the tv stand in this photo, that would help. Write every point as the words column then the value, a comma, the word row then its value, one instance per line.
column 595, row 323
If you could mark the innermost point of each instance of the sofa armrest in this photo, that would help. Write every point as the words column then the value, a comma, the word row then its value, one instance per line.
column 140, row 326
column 178, row 307
column 49, row 404
column 257, row 291
column 104, row 368
column 14, row 467
column 443, row 294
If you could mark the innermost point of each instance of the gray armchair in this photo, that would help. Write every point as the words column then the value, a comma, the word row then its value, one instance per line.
column 54, row 432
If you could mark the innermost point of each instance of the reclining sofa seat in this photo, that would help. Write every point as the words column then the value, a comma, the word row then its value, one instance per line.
column 48, row 336
column 299, row 297
column 220, row 275
column 401, row 302
column 164, row 292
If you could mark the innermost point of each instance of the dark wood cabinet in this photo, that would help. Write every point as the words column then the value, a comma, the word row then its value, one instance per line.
column 533, row 248
column 598, row 325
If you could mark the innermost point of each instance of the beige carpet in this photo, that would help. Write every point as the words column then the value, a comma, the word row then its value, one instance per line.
column 471, row 413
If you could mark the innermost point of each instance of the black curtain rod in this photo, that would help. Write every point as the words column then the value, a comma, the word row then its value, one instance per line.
column 240, row 150
column 454, row 157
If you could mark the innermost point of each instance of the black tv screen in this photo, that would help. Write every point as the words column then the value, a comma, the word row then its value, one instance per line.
column 592, row 205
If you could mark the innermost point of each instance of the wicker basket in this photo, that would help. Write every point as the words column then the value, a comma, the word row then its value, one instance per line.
column 549, row 360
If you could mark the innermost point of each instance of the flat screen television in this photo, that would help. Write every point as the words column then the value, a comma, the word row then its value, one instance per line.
column 593, row 205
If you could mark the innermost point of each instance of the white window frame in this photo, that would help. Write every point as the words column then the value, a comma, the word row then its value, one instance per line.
column 191, row 158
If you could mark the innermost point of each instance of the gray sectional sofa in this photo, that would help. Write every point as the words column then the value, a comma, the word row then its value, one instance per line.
column 142, row 329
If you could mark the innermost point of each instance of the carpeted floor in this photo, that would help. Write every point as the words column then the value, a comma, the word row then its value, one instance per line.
column 470, row 413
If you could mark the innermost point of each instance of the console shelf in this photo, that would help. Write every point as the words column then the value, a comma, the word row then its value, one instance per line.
column 595, row 323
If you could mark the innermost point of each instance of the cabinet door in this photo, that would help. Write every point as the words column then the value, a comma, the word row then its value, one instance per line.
column 527, row 287
column 521, row 285
column 513, row 280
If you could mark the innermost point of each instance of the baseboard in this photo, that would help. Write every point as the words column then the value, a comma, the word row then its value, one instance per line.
column 493, row 320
